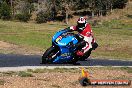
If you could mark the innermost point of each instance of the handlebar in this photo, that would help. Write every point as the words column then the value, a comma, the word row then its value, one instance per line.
column 67, row 33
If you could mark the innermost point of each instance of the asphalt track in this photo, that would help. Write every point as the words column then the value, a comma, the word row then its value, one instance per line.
column 12, row 60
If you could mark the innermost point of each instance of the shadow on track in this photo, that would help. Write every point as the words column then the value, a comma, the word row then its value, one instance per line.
column 12, row 60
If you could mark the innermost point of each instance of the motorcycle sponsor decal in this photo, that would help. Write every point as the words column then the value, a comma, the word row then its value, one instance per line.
column 58, row 39
column 65, row 54
column 61, row 43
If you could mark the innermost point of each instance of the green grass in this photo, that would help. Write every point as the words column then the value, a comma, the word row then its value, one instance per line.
column 9, row 73
column 24, row 74
column 128, row 69
column 78, row 70
column 114, row 40
column 28, row 34
column 19, row 73
column 61, row 70
column 114, row 37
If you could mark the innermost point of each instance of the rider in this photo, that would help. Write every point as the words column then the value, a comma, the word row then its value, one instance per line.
column 85, row 31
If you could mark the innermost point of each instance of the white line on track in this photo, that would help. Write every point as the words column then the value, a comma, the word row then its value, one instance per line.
column 24, row 68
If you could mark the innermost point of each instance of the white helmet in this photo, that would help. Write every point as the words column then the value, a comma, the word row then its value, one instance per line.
column 81, row 23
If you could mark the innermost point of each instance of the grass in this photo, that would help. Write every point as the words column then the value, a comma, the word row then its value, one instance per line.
column 32, row 72
column 128, row 69
column 13, row 73
column 61, row 70
column 55, row 86
column 77, row 70
column 114, row 40
column 2, row 82
column 114, row 37
column 24, row 74
column 37, row 70
column 9, row 73
column 122, row 77
column 29, row 34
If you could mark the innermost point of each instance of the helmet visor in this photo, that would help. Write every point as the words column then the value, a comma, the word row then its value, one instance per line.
column 80, row 25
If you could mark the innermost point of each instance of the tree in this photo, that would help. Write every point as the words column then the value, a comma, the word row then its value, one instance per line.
column 66, row 7
column 92, row 6
column 5, row 11
column 60, row 7
column 119, row 4
column 99, row 7
column 25, row 11
column 43, row 17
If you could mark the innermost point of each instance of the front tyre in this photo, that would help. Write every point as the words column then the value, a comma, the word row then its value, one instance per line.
column 49, row 55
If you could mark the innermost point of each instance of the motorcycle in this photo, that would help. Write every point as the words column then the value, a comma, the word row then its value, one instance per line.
column 63, row 49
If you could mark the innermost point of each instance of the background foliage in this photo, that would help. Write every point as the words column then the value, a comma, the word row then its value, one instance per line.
column 54, row 9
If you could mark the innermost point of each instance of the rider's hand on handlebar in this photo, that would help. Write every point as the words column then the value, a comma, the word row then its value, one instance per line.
column 79, row 37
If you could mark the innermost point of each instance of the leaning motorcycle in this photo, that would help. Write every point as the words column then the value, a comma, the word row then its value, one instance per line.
column 63, row 49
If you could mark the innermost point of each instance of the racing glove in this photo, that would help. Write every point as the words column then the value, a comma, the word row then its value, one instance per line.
column 67, row 30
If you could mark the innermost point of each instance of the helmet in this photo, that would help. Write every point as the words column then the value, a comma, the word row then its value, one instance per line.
column 81, row 23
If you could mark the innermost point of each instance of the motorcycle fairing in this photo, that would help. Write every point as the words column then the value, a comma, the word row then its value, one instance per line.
column 64, row 45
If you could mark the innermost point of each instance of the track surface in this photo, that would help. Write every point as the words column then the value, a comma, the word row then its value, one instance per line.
column 12, row 60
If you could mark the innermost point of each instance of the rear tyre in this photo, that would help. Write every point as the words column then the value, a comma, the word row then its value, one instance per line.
column 74, row 60
column 48, row 55
column 86, row 55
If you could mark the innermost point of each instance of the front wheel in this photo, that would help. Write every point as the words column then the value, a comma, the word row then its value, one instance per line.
column 49, row 55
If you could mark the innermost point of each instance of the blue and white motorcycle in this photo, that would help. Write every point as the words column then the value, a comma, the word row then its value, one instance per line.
column 63, row 49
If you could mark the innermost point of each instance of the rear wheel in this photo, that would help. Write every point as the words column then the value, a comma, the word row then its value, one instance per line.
column 73, row 61
column 49, row 55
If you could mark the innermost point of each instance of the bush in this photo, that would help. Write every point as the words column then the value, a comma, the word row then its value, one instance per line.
column 24, row 74
column 43, row 17
column 23, row 17
column 25, row 11
column 5, row 11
